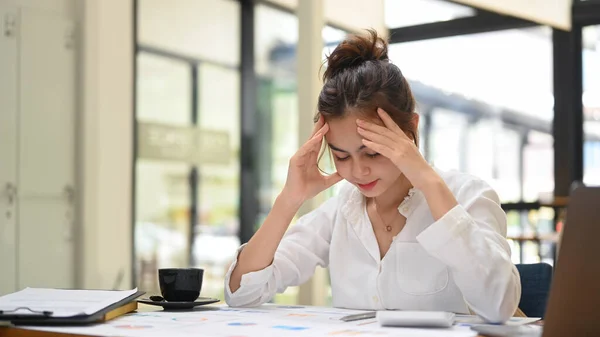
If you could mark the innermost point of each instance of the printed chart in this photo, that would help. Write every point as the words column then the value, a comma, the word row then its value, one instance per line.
column 264, row 321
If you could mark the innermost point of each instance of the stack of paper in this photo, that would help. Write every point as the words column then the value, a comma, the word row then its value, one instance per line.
column 61, row 303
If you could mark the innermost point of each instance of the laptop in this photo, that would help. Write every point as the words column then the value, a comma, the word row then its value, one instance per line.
column 574, row 304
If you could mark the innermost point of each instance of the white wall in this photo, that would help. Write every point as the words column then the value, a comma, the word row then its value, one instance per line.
column 104, row 136
column 205, row 29
column 105, row 152
column 356, row 15
column 65, row 8
column 39, row 101
column 351, row 15
column 556, row 13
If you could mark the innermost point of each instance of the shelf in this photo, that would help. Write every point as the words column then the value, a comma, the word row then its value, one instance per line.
column 550, row 237
column 557, row 202
column 525, row 206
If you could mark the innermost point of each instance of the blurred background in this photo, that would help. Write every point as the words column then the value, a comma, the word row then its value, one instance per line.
column 142, row 134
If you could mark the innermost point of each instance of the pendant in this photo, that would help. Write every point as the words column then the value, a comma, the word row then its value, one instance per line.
column 388, row 228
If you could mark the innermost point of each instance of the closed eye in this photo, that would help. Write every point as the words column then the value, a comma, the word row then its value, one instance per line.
column 373, row 155
column 342, row 158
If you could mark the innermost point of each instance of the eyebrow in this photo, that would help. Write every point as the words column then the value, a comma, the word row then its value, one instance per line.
column 340, row 150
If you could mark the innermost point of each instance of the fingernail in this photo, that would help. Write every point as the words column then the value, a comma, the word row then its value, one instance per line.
column 360, row 121
column 360, row 129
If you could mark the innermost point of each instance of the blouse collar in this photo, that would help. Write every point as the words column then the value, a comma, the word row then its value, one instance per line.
column 354, row 205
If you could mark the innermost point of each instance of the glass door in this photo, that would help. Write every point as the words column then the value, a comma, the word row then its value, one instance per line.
column 188, row 139
column 163, row 168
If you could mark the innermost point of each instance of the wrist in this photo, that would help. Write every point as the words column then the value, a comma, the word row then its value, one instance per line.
column 432, row 184
column 439, row 197
column 289, row 200
column 427, row 179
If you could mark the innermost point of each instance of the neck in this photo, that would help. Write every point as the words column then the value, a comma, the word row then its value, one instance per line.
column 393, row 197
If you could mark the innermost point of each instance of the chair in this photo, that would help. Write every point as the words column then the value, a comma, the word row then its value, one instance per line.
column 535, row 288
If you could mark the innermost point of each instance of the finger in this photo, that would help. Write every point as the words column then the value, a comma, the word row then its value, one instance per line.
column 376, row 138
column 382, row 130
column 379, row 148
column 313, row 144
column 389, row 122
column 318, row 125
column 322, row 131
column 318, row 136
column 312, row 159
column 332, row 179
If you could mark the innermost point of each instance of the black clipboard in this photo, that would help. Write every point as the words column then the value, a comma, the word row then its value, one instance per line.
column 45, row 317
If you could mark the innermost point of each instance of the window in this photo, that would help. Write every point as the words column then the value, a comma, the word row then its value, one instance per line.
column 477, row 87
column 487, row 103
column 162, row 202
column 591, row 105
column 276, row 39
column 446, row 139
column 218, row 187
column 275, row 65
column 188, row 120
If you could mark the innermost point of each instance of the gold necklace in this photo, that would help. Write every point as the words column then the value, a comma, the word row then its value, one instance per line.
column 388, row 228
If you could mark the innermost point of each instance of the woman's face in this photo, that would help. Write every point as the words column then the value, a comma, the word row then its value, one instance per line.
column 371, row 172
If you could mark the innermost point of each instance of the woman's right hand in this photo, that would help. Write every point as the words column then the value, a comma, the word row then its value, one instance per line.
column 304, row 179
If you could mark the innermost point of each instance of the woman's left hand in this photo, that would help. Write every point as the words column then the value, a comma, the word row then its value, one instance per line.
column 391, row 142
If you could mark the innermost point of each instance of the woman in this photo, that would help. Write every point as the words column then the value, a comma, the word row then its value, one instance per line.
column 400, row 234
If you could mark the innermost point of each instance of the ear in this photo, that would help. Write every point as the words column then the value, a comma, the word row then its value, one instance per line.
column 415, row 121
column 415, row 126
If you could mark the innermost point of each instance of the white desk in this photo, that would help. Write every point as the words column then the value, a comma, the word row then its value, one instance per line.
column 220, row 320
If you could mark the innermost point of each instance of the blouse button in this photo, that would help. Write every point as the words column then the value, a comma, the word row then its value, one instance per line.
column 405, row 209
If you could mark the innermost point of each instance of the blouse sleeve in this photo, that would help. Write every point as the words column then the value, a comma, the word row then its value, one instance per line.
column 304, row 246
column 471, row 240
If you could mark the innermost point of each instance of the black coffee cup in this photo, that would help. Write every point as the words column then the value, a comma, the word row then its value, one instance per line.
column 180, row 284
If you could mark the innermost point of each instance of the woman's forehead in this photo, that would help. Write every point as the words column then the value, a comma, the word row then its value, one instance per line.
column 349, row 121
column 343, row 134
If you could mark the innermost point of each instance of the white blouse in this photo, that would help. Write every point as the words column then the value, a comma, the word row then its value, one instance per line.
column 460, row 262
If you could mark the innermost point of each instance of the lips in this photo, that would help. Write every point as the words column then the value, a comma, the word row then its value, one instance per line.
column 368, row 186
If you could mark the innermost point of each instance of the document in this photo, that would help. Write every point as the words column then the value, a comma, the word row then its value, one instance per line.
column 269, row 320
column 60, row 302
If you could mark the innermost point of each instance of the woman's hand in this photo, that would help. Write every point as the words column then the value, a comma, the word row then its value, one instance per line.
column 391, row 142
column 304, row 179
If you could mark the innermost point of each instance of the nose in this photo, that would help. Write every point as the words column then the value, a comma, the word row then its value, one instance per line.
column 360, row 169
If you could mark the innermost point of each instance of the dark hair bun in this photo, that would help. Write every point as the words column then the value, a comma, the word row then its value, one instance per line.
column 354, row 51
